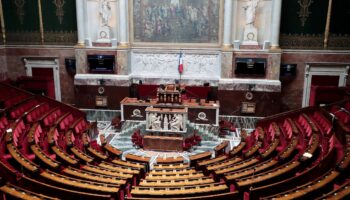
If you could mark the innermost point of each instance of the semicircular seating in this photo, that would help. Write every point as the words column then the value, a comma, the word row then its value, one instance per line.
column 46, row 153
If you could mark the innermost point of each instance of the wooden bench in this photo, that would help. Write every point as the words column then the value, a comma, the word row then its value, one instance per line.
column 99, row 170
column 172, row 171
column 64, row 156
column 70, row 182
column 44, row 158
column 24, row 162
column 270, row 149
column 211, row 161
column 178, row 182
column 275, row 173
column 174, row 176
column 220, row 149
column 129, row 164
column 171, row 166
column 305, row 191
column 93, row 176
column 232, row 175
column 170, row 160
column 287, row 152
column 81, row 155
column 224, row 164
column 343, row 192
column 178, row 191
column 59, row 192
column 12, row 191
column 118, row 168
column 237, row 149
column 199, row 156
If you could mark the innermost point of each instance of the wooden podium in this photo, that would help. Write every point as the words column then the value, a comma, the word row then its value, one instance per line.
column 162, row 143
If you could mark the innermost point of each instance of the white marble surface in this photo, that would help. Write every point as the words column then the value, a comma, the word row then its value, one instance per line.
column 94, row 79
column 239, row 84
column 165, row 65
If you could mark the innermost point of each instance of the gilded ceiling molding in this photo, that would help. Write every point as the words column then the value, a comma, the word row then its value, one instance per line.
column 59, row 9
column 304, row 10
column 20, row 12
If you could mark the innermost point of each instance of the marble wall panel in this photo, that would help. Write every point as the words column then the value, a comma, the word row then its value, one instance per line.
column 292, row 87
column 15, row 65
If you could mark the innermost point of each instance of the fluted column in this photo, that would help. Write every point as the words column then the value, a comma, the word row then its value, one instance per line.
column 227, row 40
column 275, row 23
column 80, row 20
column 123, row 20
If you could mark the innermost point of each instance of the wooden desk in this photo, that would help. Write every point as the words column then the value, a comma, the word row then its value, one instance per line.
column 221, row 147
column 171, row 166
column 43, row 157
column 200, row 156
column 81, row 155
column 64, row 156
column 94, row 176
column 20, row 193
column 162, row 143
column 29, row 165
column 170, row 160
column 174, row 183
column 79, row 183
column 134, row 109
column 99, row 170
column 212, row 161
column 135, row 158
column 237, row 149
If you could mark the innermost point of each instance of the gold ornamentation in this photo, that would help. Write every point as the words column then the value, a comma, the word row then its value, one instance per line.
column 301, row 41
column 59, row 9
column 304, row 10
column 20, row 12
column 23, row 37
column 339, row 41
column 61, row 37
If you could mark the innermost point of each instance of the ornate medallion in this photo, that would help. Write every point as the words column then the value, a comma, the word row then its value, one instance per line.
column 202, row 116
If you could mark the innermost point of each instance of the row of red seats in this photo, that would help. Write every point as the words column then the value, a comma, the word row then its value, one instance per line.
column 19, row 110
column 37, row 112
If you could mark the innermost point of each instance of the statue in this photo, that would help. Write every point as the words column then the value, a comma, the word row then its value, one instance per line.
column 250, row 11
column 250, row 35
column 176, row 122
column 166, row 123
column 105, row 12
column 154, row 121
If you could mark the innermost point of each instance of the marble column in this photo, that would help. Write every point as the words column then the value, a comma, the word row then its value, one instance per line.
column 80, row 21
column 227, row 40
column 275, row 23
column 123, row 20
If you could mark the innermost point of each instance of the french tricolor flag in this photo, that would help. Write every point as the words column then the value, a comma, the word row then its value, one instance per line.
column 181, row 65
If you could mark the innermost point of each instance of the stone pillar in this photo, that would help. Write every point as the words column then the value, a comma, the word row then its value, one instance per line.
column 80, row 21
column 227, row 40
column 275, row 23
column 123, row 20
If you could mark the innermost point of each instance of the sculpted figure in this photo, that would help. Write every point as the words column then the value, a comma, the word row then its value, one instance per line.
column 105, row 12
column 250, row 11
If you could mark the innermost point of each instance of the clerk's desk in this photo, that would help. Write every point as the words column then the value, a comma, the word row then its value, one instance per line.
column 198, row 112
